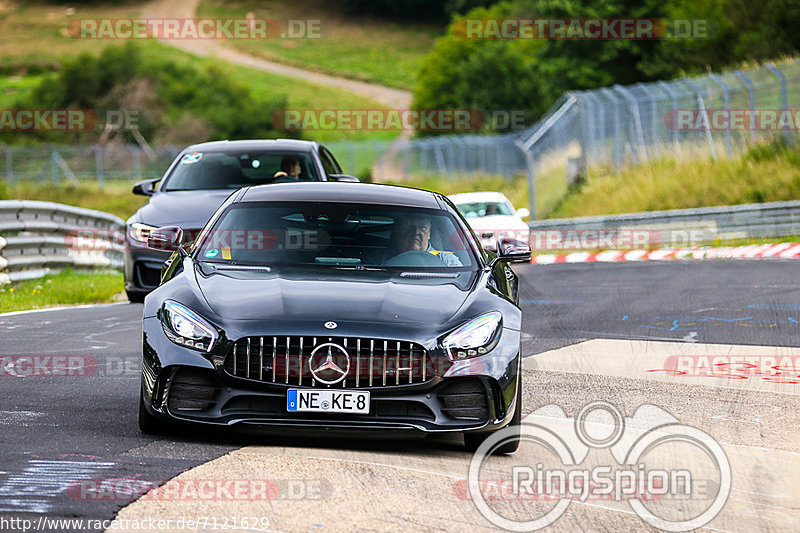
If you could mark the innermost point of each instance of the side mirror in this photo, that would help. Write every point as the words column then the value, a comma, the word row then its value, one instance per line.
column 146, row 187
column 343, row 177
column 523, row 212
column 167, row 238
column 513, row 251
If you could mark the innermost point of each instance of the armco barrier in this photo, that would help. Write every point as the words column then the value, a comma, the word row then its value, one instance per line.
column 36, row 238
column 698, row 225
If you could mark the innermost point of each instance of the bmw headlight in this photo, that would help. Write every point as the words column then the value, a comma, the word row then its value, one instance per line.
column 185, row 327
column 140, row 232
column 476, row 337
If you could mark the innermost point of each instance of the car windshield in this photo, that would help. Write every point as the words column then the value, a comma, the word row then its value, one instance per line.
column 236, row 169
column 484, row 209
column 338, row 235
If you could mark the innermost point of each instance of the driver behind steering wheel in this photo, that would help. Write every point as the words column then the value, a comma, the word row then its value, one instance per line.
column 413, row 233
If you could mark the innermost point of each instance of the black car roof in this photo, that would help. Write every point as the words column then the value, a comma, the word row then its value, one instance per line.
column 361, row 193
column 254, row 144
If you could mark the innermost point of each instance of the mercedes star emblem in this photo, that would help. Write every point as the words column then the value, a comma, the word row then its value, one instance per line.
column 327, row 371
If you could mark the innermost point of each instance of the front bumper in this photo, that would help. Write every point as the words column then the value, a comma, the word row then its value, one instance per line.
column 183, row 385
column 142, row 267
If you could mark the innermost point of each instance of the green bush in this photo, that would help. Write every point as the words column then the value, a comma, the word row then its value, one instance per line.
column 531, row 74
column 417, row 9
column 481, row 75
column 3, row 190
column 175, row 101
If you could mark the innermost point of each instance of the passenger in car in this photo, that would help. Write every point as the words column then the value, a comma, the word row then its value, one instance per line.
column 290, row 169
column 414, row 233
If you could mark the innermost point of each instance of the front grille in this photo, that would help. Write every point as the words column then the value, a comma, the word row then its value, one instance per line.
column 465, row 399
column 368, row 362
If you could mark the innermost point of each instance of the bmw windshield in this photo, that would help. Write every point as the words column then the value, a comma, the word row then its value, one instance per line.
column 336, row 235
column 237, row 169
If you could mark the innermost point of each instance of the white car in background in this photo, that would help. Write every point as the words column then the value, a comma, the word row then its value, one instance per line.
column 492, row 217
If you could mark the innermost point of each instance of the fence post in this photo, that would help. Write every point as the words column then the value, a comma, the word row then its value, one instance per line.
column 586, row 122
column 9, row 164
column 784, row 95
column 727, row 100
column 440, row 162
column 405, row 161
column 378, row 160
column 531, row 181
column 98, row 157
column 53, row 165
column 137, row 162
column 637, row 118
column 672, row 94
column 702, row 107
column 617, row 133
column 752, row 90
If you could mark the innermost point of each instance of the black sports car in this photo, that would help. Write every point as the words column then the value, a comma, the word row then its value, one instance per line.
column 326, row 305
column 199, row 180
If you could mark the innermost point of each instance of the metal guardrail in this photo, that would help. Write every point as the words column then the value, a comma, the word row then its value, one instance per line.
column 699, row 225
column 38, row 237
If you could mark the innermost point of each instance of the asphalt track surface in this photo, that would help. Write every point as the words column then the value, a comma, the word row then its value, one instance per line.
column 60, row 434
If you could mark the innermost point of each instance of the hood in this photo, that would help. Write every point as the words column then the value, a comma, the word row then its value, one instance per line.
column 187, row 209
column 297, row 295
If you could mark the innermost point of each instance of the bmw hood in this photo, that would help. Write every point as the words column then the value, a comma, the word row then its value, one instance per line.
column 360, row 297
column 187, row 209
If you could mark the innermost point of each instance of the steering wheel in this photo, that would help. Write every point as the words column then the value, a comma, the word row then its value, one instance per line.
column 414, row 258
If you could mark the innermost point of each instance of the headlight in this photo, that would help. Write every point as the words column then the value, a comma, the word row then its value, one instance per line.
column 476, row 337
column 185, row 327
column 140, row 232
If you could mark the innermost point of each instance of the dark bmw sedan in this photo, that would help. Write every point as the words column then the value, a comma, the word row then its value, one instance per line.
column 329, row 306
column 199, row 180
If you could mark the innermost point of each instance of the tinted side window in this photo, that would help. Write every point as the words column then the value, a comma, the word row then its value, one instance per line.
column 328, row 162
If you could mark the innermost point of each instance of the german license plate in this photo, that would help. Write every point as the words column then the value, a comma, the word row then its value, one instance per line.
column 327, row 401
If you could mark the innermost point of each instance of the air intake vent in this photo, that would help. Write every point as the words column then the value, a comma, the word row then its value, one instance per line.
column 465, row 399
column 192, row 390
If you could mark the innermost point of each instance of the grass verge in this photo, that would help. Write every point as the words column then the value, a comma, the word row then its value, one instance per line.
column 358, row 47
column 767, row 172
column 114, row 198
column 67, row 287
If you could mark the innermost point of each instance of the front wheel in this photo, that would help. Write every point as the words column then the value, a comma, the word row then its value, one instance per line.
column 473, row 441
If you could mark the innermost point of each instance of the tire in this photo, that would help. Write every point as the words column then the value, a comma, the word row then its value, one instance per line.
column 135, row 297
column 472, row 441
column 149, row 424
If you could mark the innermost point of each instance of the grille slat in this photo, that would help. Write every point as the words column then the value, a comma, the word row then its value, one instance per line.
column 248, row 357
column 286, row 360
